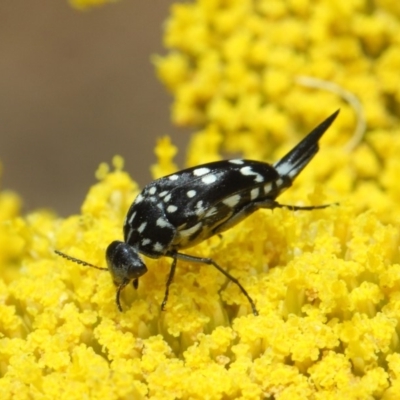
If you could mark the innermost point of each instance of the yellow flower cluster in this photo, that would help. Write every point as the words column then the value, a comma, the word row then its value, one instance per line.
column 233, row 66
column 326, row 282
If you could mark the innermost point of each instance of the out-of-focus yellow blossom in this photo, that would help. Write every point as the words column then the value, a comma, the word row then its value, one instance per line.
column 165, row 152
column 233, row 51
column 233, row 68
column 326, row 282
column 87, row 4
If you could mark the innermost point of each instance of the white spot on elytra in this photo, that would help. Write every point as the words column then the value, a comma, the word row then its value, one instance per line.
column 232, row 201
column 236, row 161
column 247, row 171
column 162, row 223
column 167, row 198
column 139, row 198
column 191, row 193
column 141, row 227
column 132, row 217
column 157, row 246
column 201, row 171
column 130, row 232
column 190, row 231
column 172, row 208
column 162, row 194
column 267, row 188
column 152, row 190
column 279, row 181
column 254, row 193
column 145, row 242
column 209, row 179
column 284, row 168
column 173, row 177
column 199, row 207
column 211, row 211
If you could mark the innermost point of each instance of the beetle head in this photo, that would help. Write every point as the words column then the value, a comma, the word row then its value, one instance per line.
column 124, row 263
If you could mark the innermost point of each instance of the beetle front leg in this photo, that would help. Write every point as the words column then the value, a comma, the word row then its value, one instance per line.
column 169, row 281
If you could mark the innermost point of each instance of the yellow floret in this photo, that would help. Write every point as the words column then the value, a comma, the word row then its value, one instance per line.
column 165, row 152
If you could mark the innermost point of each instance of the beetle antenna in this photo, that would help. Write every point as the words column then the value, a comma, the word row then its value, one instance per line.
column 76, row 260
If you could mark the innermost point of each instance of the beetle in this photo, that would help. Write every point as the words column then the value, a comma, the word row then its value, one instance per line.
column 185, row 208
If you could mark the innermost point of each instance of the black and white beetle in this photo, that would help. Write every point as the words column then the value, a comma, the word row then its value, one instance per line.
column 180, row 210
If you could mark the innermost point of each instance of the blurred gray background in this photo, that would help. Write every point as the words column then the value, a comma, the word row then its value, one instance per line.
column 76, row 89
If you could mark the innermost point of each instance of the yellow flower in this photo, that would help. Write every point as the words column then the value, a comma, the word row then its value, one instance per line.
column 234, row 69
column 326, row 282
